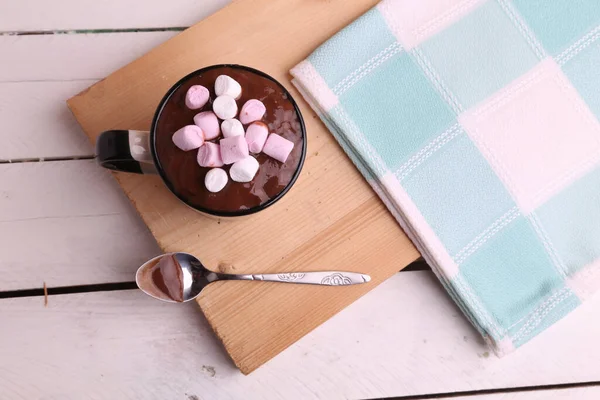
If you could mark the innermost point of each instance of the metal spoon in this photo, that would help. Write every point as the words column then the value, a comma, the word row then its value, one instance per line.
column 180, row 277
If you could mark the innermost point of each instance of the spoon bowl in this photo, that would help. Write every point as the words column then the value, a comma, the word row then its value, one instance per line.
column 180, row 277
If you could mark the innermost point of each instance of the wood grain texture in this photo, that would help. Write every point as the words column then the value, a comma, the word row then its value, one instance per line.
column 405, row 338
column 338, row 222
column 33, row 15
column 66, row 223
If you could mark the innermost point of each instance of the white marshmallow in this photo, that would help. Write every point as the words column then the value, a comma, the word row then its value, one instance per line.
column 215, row 180
column 225, row 107
column 232, row 127
column 226, row 85
column 244, row 170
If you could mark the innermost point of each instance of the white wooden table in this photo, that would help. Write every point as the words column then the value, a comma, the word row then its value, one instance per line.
column 64, row 221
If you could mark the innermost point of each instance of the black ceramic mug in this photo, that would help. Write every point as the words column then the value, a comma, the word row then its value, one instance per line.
column 154, row 153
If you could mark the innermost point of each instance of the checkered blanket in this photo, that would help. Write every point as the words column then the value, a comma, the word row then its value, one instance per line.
column 477, row 123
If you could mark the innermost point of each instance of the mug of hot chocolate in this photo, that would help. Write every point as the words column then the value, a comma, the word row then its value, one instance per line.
column 227, row 140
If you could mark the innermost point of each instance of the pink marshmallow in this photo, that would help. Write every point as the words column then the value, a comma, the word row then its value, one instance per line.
column 209, row 123
column 278, row 147
column 233, row 148
column 196, row 97
column 209, row 155
column 252, row 110
column 188, row 138
column 256, row 136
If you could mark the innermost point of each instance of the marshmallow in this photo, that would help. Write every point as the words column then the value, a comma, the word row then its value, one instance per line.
column 233, row 149
column 278, row 147
column 252, row 110
column 209, row 124
column 209, row 155
column 188, row 138
column 256, row 136
column 215, row 180
column 196, row 97
column 244, row 170
column 232, row 127
column 228, row 86
column 225, row 107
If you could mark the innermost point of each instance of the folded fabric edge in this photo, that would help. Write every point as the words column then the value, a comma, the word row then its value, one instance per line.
column 497, row 340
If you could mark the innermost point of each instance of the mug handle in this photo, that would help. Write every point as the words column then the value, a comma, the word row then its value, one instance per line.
column 126, row 151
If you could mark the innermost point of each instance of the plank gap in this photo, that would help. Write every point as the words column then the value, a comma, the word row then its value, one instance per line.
column 45, row 159
column 467, row 393
column 53, row 291
column 92, row 31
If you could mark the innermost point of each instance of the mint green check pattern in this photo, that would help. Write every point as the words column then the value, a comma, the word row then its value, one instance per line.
column 515, row 259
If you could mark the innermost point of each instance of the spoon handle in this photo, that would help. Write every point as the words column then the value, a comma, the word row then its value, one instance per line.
column 328, row 278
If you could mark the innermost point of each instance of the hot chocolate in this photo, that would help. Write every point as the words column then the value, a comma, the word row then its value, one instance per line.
column 186, row 178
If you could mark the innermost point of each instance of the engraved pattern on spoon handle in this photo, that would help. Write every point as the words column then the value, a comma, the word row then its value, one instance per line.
column 328, row 278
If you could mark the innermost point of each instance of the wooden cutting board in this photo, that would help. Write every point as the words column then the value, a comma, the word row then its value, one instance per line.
column 330, row 220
